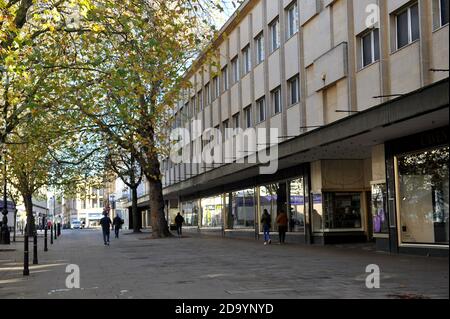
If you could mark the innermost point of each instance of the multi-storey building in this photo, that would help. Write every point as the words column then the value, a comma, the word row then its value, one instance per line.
column 358, row 90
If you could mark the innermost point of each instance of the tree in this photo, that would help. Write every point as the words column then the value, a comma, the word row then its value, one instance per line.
column 124, row 165
column 134, row 61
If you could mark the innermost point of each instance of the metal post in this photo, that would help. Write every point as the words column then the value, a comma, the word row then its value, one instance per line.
column 15, row 225
column 45, row 238
column 51, row 235
column 54, row 230
column 35, row 252
column 26, row 270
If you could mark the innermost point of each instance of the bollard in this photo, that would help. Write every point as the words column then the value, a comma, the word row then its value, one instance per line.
column 35, row 252
column 51, row 235
column 26, row 270
column 54, row 231
column 59, row 229
column 45, row 239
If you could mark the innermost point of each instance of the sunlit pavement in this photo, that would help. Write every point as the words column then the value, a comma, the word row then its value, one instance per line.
column 136, row 266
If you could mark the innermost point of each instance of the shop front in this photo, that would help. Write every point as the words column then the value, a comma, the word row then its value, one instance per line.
column 418, row 188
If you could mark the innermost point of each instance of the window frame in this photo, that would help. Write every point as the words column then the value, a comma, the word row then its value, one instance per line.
column 260, row 48
column 275, row 23
column 207, row 92
column 274, row 99
column 236, row 120
column 216, row 87
column 441, row 17
column 373, row 57
column 235, row 76
column 410, row 29
column 295, row 23
column 258, row 109
column 225, row 78
column 290, row 85
column 247, row 65
column 248, row 117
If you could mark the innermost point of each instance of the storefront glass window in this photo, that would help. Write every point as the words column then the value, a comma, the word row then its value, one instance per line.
column 342, row 211
column 273, row 197
column 243, row 209
column 296, row 206
column 212, row 211
column 317, row 213
column 379, row 211
column 423, row 196
column 190, row 213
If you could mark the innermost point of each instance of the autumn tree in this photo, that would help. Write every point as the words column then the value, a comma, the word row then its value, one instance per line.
column 134, row 61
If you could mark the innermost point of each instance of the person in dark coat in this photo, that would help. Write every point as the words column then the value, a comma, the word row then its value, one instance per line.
column 117, row 223
column 179, row 220
column 266, row 223
column 105, row 222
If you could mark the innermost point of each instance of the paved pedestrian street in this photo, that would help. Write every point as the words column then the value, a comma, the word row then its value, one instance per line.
column 136, row 266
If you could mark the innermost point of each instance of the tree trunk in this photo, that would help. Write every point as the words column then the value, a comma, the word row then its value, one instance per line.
column 134, row 211
column 158, row 218
column 28, row 201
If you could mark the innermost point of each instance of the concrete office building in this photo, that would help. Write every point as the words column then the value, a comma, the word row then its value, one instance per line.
column 361, row 104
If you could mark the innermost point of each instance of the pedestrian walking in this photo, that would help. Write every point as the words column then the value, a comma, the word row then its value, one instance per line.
column 179, row 220
column 105, row 222
column 117, row 224
column 282, row 223
column 266, row 223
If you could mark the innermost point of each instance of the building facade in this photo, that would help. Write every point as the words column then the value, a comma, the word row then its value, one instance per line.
column 358, row 93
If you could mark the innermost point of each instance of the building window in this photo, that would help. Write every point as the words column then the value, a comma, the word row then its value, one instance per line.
column 216, row 85
column 422, row 196
column 236, row 120
column 260, row 52
column 207, row 94
column 200, row 100
column 370, row 47
column 292, row 20
column 248, row 116
column 294, row 94
column 247, row 60
column 193, row 107
column 189, row 210
column 274, row 28
column 407, row 22
column 225, row 78
column 186, row 112
column 276, row 101
column 342, row 211
column 443, row 11
column 379, row 209
column 273, row 199
column 297, row 205
column 212, row 211
column 226, row 129
column 235, row 70
column 261, row 107
column 243, row 206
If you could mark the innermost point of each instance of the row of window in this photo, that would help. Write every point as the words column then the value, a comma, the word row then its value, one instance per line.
column 407, row 30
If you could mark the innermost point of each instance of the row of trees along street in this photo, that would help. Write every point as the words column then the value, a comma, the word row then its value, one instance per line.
column 90, row 85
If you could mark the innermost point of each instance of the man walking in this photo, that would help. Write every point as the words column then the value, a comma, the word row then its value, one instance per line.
column 117, row 223
column 105, row 222
column 179, row 220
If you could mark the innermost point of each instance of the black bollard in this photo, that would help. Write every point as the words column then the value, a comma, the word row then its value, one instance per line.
column 45, row 239
column 59, row 229
column 54, row 230
column 51, row 235
column 35, row 252
column 26, row 270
